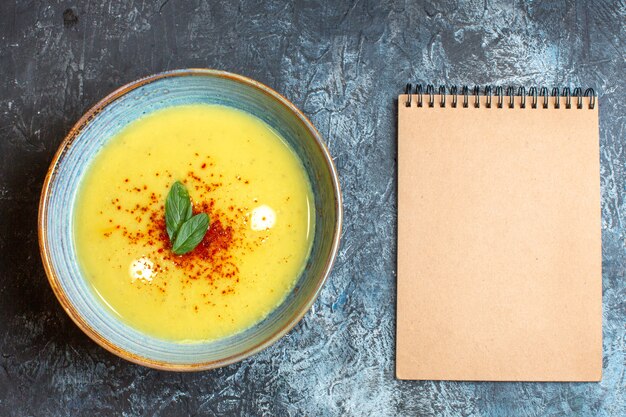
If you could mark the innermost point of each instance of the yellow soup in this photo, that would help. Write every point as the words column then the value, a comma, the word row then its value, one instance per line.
column 238, row 171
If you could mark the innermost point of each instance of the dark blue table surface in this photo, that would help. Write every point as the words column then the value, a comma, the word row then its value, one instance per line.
column 343, row 64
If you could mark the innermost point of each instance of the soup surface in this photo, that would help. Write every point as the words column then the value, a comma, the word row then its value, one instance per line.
column 238, row 171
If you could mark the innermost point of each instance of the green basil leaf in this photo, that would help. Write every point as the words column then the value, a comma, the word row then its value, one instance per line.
column 191, row 234
column 177, row 209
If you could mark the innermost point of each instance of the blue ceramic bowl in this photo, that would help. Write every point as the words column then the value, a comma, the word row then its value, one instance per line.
column 99, row 125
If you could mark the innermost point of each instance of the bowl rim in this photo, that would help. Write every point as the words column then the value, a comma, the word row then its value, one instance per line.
column 74, row 132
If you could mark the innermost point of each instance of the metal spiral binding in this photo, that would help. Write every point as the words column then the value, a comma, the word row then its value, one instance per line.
column 592, row 97
column 477, row 97
column 455, row 95
column 532, row 91
column 578, row 92
column 568, row 97
column 465, row 91
column 430, row 90
column 418, row 91
column 442, row 94
column 555, row 94
column 499, row 92
column 510, row 91
column 407, row 91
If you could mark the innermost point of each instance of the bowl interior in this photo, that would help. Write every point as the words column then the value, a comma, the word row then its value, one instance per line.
column 93, row 132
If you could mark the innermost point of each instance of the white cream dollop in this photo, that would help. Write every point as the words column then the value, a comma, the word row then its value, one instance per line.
column 143, row 269
column 262, row 218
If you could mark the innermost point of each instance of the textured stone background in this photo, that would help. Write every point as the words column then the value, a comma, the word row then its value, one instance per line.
column 343, row 64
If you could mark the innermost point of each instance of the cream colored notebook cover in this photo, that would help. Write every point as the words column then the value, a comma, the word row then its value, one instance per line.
column 499, row 240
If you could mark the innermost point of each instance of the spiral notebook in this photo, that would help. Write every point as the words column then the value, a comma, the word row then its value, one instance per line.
column 499, row 235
